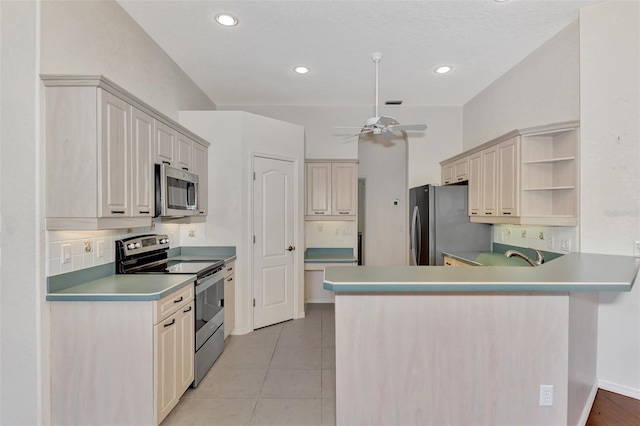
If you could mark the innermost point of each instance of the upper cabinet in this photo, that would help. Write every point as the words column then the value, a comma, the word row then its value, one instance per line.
column 101, row 144
column 527, row 176
column 332, row 190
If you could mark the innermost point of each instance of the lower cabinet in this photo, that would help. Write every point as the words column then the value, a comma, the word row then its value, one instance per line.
column 229, row 298
column 450, row 261
column 121, row 362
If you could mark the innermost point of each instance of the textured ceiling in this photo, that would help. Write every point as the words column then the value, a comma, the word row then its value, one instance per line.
column 251, row 63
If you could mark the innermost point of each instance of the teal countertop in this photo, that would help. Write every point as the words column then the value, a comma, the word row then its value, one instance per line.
column 329, row 255
column 101, row 283
column 484, row 258
column 571, row 272
column 130, row 287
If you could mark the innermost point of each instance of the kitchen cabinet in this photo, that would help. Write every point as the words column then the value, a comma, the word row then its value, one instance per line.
column 509, row 177
column 527, row 176
column 450, row 261
column 165, row 144
column 332, row 190
column 229, row 298
column 183, row 156
column 123, row 362
column 455, row 171
column 107, row 140
column 200, row 167
column 175, row 350
column 142, row 173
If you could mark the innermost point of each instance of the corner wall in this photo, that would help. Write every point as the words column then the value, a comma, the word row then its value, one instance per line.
column 542, row 89
column 610, row 175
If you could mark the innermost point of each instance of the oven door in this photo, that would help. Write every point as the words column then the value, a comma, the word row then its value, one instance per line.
column 176, row 192
column 209, row 307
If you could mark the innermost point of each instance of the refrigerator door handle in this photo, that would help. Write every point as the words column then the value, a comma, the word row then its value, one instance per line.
column 419, row 235
column 415, row 235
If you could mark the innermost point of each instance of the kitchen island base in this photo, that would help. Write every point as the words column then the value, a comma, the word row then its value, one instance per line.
column 464, row 358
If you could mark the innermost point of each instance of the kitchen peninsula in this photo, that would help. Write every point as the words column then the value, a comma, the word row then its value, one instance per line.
column 451, row 346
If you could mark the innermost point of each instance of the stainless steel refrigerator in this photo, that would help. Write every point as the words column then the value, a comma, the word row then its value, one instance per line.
column 439, row 221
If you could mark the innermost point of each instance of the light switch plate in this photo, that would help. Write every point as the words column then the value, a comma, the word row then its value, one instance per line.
column 65, row 253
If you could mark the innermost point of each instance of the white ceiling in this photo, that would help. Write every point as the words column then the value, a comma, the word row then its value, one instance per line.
column 251, row 63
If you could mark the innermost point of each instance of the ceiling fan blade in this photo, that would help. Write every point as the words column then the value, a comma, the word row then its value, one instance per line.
column 389, row 136
column 347, row 127
column 359, row 133
column 406, row 127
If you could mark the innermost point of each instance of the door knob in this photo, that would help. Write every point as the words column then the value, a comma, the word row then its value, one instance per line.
column 291, row 248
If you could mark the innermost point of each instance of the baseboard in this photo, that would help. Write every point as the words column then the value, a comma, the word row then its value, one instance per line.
column 587, row 408
column 300, row 315
column 620, row 389
column 320, row 300
column 241, row 331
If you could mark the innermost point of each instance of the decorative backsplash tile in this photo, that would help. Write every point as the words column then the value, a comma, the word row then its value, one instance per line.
column 92, row 248
column 556, row 239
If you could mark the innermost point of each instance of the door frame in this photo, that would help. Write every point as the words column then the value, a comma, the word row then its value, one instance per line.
column 298, row 231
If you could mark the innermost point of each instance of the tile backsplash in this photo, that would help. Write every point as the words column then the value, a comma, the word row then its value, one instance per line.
column 556, row 239
column 331, row 234
column 93, row 248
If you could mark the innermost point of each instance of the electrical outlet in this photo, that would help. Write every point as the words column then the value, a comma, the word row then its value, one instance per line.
column 320, row 227
column 100, row 248
column 565, row 244
column 541, row 235
column 546, row 395
column 636, row 248
column 501, row 236
column 65, row 253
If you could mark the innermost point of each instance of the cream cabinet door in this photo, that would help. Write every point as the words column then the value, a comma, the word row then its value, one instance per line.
column 447, row 173
column 461, row 169
column 200, row 166
column 142, row 179
column 489, row 183
column 344, row 189
column 168, row 356
column 165, row 142
column 318, row 189
column 509, row 177
column 182, row 156
column 114, row 168
column 186, row 361
column 475, row 181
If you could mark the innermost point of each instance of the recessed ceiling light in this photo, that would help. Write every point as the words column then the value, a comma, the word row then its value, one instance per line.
column 226, row 20
column 302, row 69
column 443, row 69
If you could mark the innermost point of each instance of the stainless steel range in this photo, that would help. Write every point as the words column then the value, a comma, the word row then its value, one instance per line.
column 147, row 254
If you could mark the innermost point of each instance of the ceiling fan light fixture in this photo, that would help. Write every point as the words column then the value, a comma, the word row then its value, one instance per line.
column 301, row 69
column 226, row 19
column 443, row 69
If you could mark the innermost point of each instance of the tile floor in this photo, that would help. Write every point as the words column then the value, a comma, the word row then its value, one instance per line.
column 279, row 375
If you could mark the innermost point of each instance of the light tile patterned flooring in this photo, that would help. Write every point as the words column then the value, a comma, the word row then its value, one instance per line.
column 279, row 375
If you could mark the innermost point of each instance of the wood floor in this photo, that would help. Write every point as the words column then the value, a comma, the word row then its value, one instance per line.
column 613, row 409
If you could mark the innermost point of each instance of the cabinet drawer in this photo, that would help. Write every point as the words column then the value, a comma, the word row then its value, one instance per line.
column 229, row 269
column 168, row 305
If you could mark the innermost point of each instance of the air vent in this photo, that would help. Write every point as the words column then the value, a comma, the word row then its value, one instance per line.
column 393, row 103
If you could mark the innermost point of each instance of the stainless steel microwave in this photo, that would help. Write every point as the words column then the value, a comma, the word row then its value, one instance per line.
column 176, row 192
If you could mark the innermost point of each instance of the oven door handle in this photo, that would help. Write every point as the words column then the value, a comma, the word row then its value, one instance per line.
column 209, row 281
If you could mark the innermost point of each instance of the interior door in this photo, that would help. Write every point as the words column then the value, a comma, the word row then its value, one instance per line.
column 273, row 249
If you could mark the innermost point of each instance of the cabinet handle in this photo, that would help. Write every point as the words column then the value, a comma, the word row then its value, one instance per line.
column 506, row 213
column 144, row 211
column 344, row 213
column 117, row 211
column 185, row 168
column 201, row 212
column 173, row 321
column 187, row 310
column 229, row 269
column 318, row 212
column 474, row 212
column 488, row 213
column 178, row 300
column 460, row 178
column 230, row 279
column 447, row 181
column 166, row 162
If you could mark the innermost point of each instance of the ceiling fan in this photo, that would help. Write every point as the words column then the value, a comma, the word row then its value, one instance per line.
column 381, row 125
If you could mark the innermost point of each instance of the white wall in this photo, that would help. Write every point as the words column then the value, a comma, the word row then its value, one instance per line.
column 55, row 37
column 23, row 353
column 235, row 137
column 610, row 175
column 441, row 140
column 542, row 89
column 99, row 37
